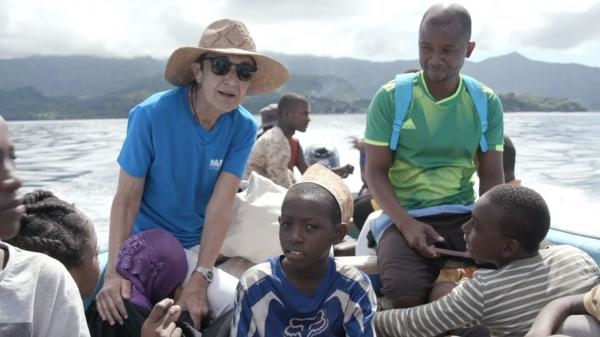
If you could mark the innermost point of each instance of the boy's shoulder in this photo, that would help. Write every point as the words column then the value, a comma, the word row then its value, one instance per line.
column 273, row 134
column 352, row 273
column 31, row 260
column 570, row 256
column 346, row 268
column 554, row 257
column 256, row 273
column 562, row 251
column 43, row 267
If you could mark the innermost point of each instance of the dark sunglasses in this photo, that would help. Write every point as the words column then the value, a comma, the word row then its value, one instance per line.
column 220, row 66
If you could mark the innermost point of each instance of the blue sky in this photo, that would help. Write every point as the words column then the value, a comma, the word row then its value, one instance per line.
column 377, row 30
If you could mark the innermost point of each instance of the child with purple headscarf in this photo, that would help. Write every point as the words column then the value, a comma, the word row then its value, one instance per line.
column 154, row 262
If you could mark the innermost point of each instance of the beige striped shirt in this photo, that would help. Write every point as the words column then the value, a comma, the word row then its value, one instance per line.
column 505, row 300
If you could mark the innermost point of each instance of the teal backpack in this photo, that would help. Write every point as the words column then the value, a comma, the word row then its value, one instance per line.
column 404, row 90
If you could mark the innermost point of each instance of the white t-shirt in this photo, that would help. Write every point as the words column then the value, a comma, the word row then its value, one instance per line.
column 39, row 297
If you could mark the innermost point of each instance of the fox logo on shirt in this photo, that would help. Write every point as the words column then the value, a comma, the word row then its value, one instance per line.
column 215, row 164
column 307, row 327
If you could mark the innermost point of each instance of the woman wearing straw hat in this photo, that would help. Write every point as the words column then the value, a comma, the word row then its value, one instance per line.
column 182, row 160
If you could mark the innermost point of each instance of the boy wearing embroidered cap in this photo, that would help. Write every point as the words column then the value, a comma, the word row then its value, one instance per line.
column 182, row 160
column 306, row 290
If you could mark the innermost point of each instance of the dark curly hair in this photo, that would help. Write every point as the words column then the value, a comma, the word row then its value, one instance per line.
column 289, row 101
column 526, row 217
column 54, row 227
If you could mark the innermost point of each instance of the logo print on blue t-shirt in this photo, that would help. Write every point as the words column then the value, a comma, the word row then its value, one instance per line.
column 215, row 164
column 307, row 327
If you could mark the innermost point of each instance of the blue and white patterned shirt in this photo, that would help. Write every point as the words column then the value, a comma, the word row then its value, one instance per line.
column 268, row 305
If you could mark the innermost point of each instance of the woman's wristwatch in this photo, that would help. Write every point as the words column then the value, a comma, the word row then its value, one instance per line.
column 206, row 272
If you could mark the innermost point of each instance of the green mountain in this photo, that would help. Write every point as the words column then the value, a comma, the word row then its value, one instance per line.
column 79, row 76
column 91, row 87
column 518, row 74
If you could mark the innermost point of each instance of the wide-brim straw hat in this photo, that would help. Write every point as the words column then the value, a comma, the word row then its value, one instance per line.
column 227, row 37
column 324, row 177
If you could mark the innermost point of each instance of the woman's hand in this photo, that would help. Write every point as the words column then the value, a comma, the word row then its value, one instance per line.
column 109, row 300
column 194, row 299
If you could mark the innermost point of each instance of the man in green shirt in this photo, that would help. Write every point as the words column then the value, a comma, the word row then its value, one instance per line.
column 426, row 186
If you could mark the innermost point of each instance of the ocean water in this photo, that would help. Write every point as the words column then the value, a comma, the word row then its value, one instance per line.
column 558, row 154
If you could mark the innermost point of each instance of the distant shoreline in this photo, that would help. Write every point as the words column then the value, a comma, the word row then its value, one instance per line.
column 91, row 87
column 314, row 113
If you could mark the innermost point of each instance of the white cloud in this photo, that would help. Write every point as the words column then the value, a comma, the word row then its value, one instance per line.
column 550, row 30
column 567, row 30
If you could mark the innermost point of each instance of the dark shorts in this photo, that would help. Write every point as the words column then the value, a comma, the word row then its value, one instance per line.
column 403, row 271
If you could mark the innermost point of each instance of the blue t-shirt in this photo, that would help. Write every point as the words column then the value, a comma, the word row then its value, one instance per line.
column 268, row 305
column 181, row 160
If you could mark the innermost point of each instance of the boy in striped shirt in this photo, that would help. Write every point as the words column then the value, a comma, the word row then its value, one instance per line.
column 506, row 227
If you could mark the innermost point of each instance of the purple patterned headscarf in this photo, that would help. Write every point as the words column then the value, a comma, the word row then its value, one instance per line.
column 154, row 262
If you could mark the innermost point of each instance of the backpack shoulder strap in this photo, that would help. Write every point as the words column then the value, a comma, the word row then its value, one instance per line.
column 403, row 94
column 479, row 98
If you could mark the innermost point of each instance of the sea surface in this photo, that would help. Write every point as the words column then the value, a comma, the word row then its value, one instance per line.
column 558, row 154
